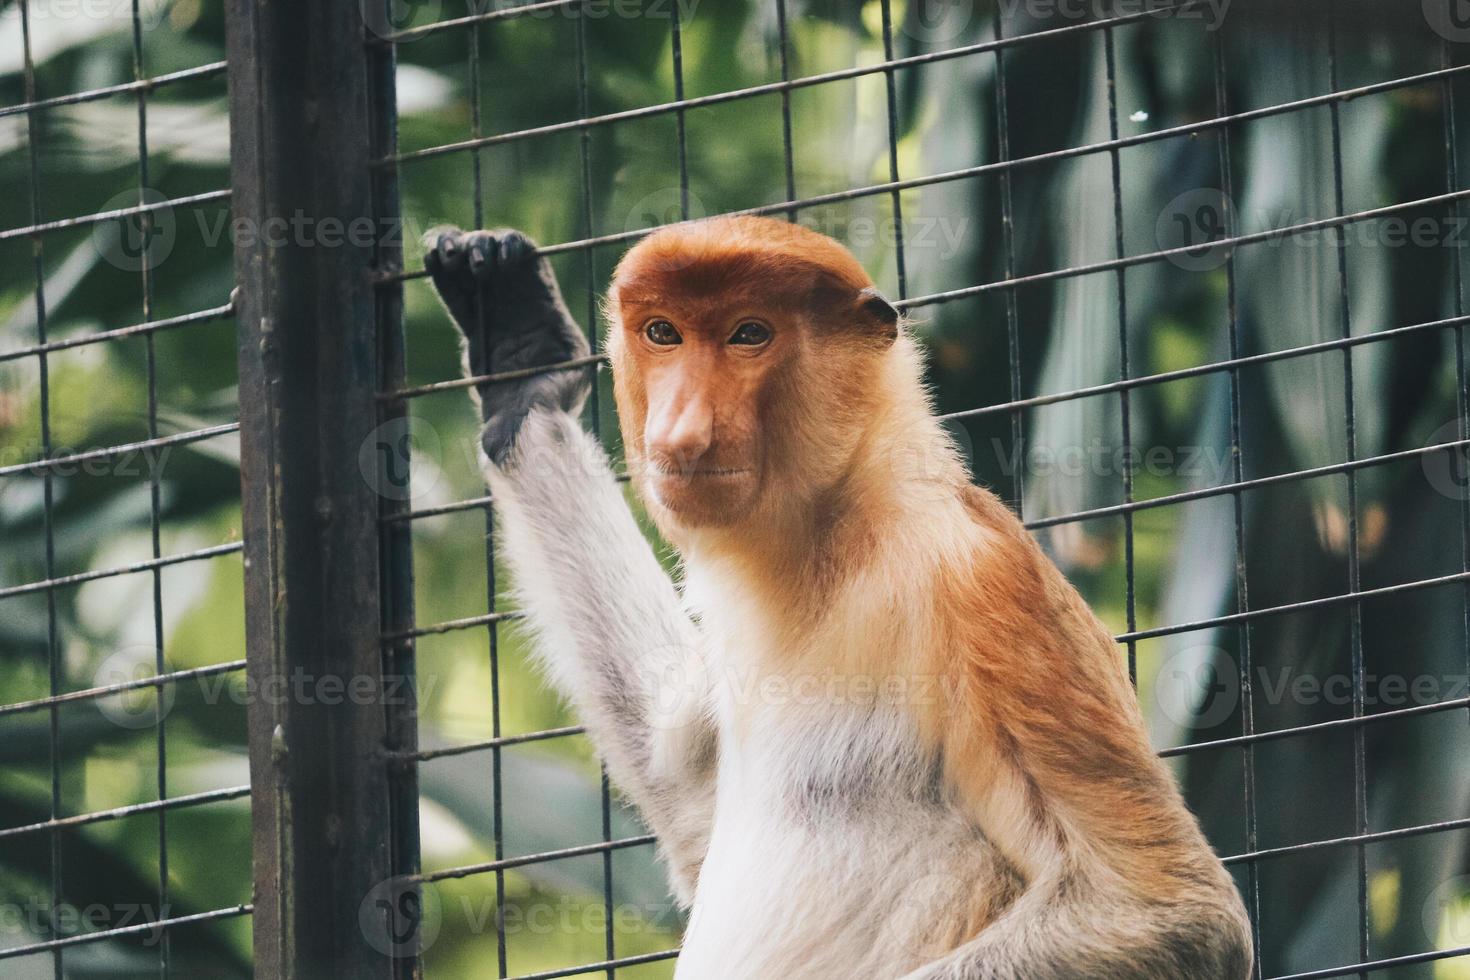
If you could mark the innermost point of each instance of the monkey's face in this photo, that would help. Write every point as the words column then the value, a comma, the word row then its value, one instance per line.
column 695, row 398
column 742, row 352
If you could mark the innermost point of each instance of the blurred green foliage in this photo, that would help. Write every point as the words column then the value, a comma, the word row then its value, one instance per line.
column 1070, row 333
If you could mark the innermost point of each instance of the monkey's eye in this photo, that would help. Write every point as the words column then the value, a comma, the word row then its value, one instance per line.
column 751, row 334
column 662, row 332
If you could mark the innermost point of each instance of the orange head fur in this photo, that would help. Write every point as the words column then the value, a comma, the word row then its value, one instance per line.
column 745, row 356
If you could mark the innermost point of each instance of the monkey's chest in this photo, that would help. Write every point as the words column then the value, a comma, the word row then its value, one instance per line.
column 834, row 854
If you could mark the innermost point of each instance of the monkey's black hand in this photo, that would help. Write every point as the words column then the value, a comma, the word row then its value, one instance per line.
column 505, row 300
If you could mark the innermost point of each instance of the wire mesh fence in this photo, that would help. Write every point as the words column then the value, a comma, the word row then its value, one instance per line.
column 90, row 602
column 1191, row 277
column 1211, row 233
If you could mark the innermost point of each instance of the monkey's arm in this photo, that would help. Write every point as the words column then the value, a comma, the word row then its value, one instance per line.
column 611, row 631
column 1047, row 752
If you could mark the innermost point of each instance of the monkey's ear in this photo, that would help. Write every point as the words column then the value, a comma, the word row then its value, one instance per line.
column 874, row 308
column 834, row 304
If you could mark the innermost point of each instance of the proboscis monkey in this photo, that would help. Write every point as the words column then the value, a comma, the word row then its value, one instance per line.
column 877, row 732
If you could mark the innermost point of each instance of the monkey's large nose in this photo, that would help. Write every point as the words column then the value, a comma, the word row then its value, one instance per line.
column 680, row 434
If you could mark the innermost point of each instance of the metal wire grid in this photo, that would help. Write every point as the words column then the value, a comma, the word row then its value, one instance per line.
column 1014, row 408
column 49, row 463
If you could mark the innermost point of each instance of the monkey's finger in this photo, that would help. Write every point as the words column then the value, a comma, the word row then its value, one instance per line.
column 433, row 259
column 450, row 250
column 481, row 251
column 514, row 247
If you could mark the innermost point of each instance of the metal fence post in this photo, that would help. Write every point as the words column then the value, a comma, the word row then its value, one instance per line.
column 302, row 128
